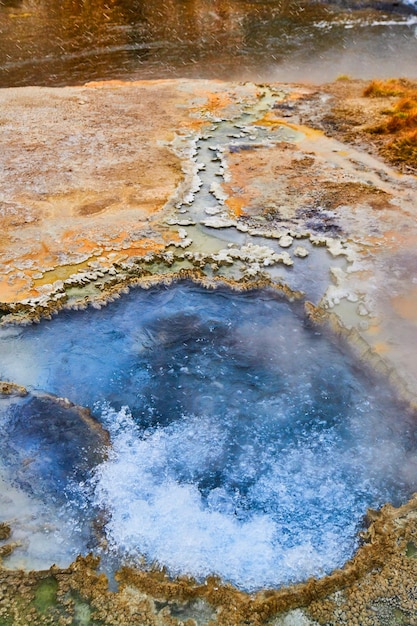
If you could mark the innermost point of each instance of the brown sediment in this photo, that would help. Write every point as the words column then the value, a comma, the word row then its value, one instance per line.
column 7, row 550
column 291, row 186
column 392, row 107
column 5, row 531
column 399, row 122
column 11, row 389
column 384, row 567
column 403, row 150
column 387, row 593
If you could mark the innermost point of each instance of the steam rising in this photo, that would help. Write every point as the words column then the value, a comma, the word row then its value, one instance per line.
column 244, row 443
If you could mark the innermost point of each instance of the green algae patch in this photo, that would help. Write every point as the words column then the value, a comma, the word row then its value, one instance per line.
column 411, row 550
column 83, row 613
column 46, row 595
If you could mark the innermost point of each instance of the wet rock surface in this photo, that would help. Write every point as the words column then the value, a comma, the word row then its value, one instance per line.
column 224, row 183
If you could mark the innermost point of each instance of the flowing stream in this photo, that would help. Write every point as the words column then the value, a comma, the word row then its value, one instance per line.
column 47, row 43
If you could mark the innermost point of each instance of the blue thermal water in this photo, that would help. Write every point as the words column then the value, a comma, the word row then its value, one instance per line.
column 45, row 445
column 47, row 449
column 244, row 442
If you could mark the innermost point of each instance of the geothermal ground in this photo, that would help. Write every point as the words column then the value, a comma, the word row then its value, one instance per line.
column 298, row 190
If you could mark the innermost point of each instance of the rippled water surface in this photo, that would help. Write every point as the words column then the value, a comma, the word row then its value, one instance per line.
column 56, row 43
column 244, row 442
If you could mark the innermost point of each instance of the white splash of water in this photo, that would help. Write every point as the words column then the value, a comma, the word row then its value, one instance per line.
column 155, row 515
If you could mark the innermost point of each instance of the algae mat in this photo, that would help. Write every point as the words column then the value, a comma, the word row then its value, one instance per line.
column 113, row 184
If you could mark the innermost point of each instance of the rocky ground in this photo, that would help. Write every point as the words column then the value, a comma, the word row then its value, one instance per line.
column 312, row 189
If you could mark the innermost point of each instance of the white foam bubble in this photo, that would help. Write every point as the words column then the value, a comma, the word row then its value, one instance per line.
column 154, row 514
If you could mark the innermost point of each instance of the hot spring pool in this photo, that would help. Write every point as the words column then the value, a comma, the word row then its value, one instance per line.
column 244, row 442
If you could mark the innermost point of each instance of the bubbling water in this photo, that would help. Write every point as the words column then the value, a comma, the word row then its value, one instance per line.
column 244, row 443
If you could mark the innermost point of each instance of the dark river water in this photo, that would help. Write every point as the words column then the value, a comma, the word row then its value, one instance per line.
column 44, row 42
